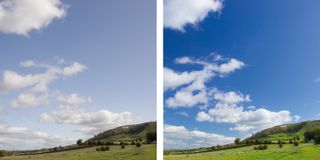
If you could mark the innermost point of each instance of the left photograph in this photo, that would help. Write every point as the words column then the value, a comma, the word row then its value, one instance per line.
column 77, row 80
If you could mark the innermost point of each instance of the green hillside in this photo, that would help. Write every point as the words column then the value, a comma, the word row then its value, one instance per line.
column 126, row 133
column 141, row 135
column 286, row 132
column 288, row 152
column 131, row 152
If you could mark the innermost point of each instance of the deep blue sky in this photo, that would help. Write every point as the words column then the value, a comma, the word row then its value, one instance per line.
column 279, row 41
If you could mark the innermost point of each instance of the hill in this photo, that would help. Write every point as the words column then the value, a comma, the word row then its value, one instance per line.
column 288, row 152
column 131, row 152
column 126, row 133
column 286, row 132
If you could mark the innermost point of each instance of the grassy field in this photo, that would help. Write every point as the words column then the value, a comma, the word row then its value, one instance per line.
column 131, row 152
column 288, row 152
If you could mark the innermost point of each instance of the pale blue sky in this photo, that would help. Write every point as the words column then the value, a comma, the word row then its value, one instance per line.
column 114, row 39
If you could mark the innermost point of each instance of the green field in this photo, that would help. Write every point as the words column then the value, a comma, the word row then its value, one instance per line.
column 131, row 152
column 288, row 152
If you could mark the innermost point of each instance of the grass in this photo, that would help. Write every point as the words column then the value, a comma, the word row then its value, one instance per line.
column 131, row 152
column 288, row 152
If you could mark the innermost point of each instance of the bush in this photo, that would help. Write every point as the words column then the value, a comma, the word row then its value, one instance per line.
column 290, row 141
column 316, row 136
column 138, row 144
column 2, row 153
column 237, row 141
column 308, row 136
column 296, row 143
column 104, row 148
column 123, row 146
column 260, row 147
column 280, row 145
column 151, row 137
column 79, row 142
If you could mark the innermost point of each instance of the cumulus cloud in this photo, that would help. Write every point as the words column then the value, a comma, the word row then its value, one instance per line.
column 22, row 16
column 179, row 137
column 179, row 13
column 229, row 109
column 73, row 99
column 190, row 86
column 34, row 87
column 230, row 97
column 87, row 122
column 29, row 100
column 14, row 138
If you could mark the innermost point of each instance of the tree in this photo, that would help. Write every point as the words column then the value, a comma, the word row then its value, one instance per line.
column 237, row 141
column 290, row 141
column 308, row 136
column 280, row 145
column 138, row 144
column 2, row 153
column 151, row 137
column 79, row 142
column 296, row 143
column 316, row 136
column 123, row 146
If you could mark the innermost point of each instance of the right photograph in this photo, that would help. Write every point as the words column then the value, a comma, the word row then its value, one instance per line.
column 241, row 80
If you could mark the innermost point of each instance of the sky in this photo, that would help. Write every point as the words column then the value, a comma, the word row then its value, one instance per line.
column 232, row 68
column 72, row 69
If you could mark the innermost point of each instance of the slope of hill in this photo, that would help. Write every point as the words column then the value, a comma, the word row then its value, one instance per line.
column 130, row 152
column 286, row 132
column 126, row 133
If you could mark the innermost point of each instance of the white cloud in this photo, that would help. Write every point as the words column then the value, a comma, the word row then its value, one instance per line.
column 186, row 98
column 29, row 100
column 73, row 99
column 179, row 13
column 174, row 79
column 22, row 16
column 87, row 122
column 179, row 137
column 231, row 66
column 230, row 97
column 190, row 87
column 228, row 109
column 185, row 114
column 14, row 138
column 34, row 87
column 73, row 69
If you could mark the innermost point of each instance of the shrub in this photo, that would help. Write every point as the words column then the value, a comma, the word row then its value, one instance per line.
column 123, row 146
column 99, row 143
column 290, row 141
column 79, row 142
column 280, row 145
column 104, row 148
column 264, row 147
column 308, row 136
column 151, row 137
column 260, row 147
column 237, row 141
column 138, row 144
column 316, row 136
column 296, row 143
column 2, row 153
